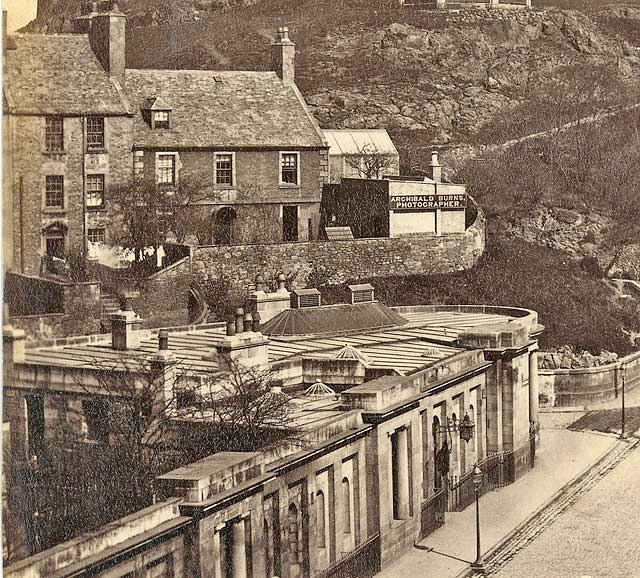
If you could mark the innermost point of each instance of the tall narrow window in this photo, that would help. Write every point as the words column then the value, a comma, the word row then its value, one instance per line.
column 166, row 169
column 96, row 416
column 321, row 521
column 224, row 169
column 289, row 169
column 95, row 133
column 54, row 192
column 346, row 512
column 294, row 529
column 54, row 134
column 95, row 191
column 35, row 424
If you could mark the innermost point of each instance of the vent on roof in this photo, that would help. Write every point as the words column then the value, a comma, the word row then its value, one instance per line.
column 301, row 298
column 361, row 293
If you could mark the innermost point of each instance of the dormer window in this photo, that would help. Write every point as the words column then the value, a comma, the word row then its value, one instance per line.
column 157, row 113
column 160, row 119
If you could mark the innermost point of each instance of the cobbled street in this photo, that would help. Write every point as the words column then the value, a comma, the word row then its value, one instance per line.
column 597, row 537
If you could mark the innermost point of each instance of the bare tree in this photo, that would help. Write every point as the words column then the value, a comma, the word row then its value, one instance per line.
column 370, row 162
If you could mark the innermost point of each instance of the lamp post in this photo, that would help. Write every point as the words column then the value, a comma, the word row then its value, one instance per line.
column 623, row 433
column 478, row 565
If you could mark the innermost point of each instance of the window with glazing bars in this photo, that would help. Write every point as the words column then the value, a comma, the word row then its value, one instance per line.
column 224, row 169
column 161, row 119
column 54, row 192
column 166, row 169
column 95, row 133
column 95, row 235
column 54, row 134
column 95, row 190
column 289, row 168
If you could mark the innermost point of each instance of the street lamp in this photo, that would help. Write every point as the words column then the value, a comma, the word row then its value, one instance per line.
column 623, row 434
column 478, row 565
column 466, row 428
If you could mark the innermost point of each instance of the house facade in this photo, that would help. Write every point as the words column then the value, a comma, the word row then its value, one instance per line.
column 79, row 124
column 380, row 463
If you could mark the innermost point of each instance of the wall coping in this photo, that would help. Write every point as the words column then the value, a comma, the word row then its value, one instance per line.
column 167, row 268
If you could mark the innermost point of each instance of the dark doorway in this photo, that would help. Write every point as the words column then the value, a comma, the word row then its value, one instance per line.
column 289, row 223
column 35, row 424
column 223, row 226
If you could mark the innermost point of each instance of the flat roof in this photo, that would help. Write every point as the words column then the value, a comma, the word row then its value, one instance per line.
column 426, row 338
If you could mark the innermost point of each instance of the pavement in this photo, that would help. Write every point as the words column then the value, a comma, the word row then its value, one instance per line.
column 562, row 456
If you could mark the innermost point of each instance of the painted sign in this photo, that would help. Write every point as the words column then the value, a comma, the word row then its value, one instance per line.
column 412, row 203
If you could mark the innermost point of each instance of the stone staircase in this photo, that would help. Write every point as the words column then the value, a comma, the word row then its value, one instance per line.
column 110, row 304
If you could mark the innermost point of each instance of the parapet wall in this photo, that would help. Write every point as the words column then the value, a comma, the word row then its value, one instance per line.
column 332, row 262
column 589, row 385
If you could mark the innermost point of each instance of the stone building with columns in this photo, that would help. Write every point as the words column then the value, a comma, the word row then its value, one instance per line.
column 392, row 408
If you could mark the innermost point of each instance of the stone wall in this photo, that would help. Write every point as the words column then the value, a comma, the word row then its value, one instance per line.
column 320, row 262
column 82, row 310
column 589, row 385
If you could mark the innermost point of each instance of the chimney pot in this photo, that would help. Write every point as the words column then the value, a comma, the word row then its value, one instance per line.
column 163, row 340
column 435, row 168
column 282, row 280
column 259, row 283
column 128, row 306
column 239, row 320
column 248, row 322
column 231, row 327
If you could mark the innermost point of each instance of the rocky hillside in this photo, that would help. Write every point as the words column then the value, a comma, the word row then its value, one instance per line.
column 450, row 78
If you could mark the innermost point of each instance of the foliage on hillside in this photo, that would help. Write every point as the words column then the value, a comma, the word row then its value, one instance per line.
column 575, row 308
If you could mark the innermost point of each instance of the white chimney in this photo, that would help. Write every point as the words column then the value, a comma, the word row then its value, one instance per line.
column 435, row 168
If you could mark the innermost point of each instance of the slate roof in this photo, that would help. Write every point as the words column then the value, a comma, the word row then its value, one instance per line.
column 59, row 74
column 332, row 319
column 222, row 109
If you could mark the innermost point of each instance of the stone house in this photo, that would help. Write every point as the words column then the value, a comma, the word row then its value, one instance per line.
column 382, row 459
column 79, row 124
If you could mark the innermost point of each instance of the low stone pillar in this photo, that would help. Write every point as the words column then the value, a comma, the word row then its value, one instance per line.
column 239, row 320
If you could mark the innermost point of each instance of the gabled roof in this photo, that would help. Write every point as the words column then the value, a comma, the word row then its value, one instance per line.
column 220, row 109
column 156, row 103
column 332, row 319
column 354, row 142
column 59, row 74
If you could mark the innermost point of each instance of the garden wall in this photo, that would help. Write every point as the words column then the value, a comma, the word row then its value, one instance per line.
column 330, row 262
column 590, row 385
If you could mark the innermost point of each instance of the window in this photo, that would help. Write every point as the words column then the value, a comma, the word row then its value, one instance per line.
column 54, row 134
column 54, row 192
column 224, row 169
column 95, row 133
column 289, row 168
column 161, row 119
column 166, row 169
column 96, row 417
column 95, row 191
column 321, row 526
column 95, row 235
column 346, row 499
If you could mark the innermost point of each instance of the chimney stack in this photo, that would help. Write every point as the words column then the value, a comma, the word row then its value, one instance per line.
column 107, row 38
column 124, row 330
column 283, row 53
column 435, row 168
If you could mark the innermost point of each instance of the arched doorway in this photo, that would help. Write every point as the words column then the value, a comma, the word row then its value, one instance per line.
column 223, row 226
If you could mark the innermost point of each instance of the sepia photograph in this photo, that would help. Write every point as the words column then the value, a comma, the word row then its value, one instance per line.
column 321, row 288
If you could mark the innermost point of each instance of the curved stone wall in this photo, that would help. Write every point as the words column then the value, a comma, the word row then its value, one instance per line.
column 590, row 385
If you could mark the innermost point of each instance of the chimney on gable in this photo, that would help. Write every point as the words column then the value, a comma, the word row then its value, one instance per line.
column 283, row 53
column 107, row 38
